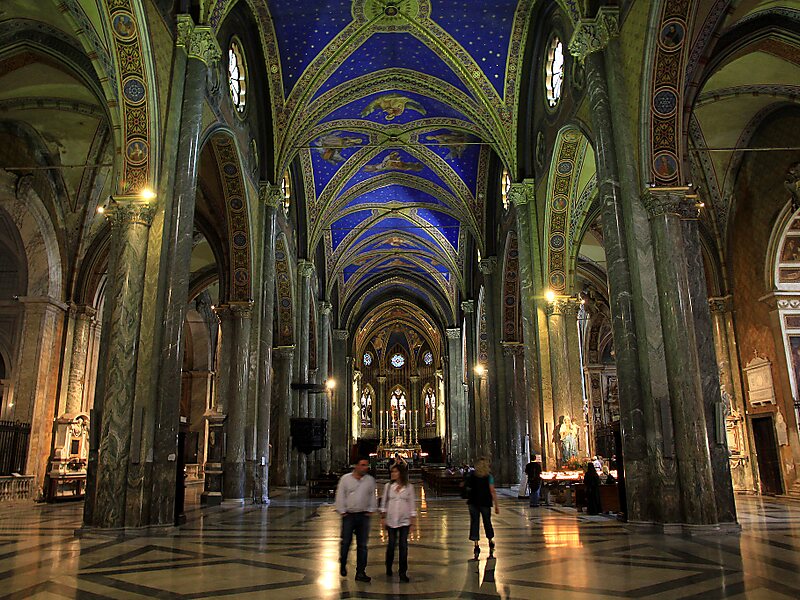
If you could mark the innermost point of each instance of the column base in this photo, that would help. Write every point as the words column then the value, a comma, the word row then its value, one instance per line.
column 211, row 498
column 126, row 532
column 232, row 502
column 686, row 529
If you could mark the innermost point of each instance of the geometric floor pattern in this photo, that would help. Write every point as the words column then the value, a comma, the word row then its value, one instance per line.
column 288, row 551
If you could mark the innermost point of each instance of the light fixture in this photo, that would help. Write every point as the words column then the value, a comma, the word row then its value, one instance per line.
column 480, row 370
column 330, row 384
column 550, row 295
column 147, row 194
column 101, row 209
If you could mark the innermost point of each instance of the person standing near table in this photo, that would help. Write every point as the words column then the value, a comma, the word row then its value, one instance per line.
column 534, row 472
column 355, row 501
column 398, row 513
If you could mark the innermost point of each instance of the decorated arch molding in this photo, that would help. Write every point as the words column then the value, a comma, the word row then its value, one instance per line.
column 283, row 291
column 237, row 217
column 512, row 325
column 136, row 91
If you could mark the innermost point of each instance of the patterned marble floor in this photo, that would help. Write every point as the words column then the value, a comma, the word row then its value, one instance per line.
column 289, row 551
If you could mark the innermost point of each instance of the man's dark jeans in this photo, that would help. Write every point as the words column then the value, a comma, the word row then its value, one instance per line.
column 357, row 523
column 394, row 534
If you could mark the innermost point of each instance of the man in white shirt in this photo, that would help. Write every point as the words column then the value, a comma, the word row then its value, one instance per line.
column 356, row 501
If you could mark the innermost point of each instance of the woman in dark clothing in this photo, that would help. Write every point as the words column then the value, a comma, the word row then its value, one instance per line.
column 591, row 481
column 481, row 496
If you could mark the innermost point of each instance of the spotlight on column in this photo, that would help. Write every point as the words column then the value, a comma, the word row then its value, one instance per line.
column 330, row 383
column 550, row 295
column 147, row 194
column 480, row 370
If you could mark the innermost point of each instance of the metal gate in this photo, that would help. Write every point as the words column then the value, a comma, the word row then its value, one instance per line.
column 14, row 438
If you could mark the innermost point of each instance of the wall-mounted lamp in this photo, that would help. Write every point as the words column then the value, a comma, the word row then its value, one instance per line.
column 550, row 295
column 480, row 370
column 147, row 194
column 330, row 384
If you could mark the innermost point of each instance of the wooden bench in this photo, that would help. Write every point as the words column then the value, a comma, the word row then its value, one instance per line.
column 323, row 486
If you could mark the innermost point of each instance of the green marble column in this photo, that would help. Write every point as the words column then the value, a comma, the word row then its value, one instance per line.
column 588, row 45
column 305, row 269
column 517, row 417
column 130, row 222
column 77, row 367
column 338, row 429
column 203, row 52
column 666, row 208
column 458, row 408
column 270, row 197
column 474, row 449
column 283, row 359
column 239, row 347
column 324, row 400
column 522, row 196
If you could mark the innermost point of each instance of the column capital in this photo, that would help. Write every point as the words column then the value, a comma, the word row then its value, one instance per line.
column 341, row 334
column 468, row 306
column 84, row 312
column 381, row 379
column 512, row 348
column 439, row 373
column 203, row 45
column 43, row 303
column 593, row 35
column 413, row 378
column 305, row 268
column 183, row 30
column 325, row 308
column 488, row 265
column 285, row 352
column 522, row 193
column 721, row 304
column 241, row 310
column 678, row 201
column 453, row 334
column 270, row 194
column 130, row 210
column 222, row 312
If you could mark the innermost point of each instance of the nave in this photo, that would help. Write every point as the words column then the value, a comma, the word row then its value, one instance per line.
column 289, row 550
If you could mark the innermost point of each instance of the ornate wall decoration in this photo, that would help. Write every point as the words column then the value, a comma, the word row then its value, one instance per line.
column 237, row 217
column 283, row 290
column 512, row 325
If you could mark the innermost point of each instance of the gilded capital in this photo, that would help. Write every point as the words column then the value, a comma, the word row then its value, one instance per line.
column 325, row 308
column 593, row 35
column 468, row 306
column 671, row 201
column 241, row 310
column 566, row 306
column 488, row 265
column 523, row 193
column 130, row 210
column 203, row 45
column 305, row 268
column 284, row 352
column 183, row 33
column 721, row 304
column 453, row 334
column 512, row 348
column 270, row 194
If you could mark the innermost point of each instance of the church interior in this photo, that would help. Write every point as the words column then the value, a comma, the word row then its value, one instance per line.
column 244, row 243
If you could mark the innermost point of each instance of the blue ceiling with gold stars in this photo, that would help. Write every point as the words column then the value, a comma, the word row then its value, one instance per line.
column 394, row 108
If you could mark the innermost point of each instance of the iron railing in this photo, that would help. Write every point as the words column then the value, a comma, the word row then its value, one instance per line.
column 14, row 438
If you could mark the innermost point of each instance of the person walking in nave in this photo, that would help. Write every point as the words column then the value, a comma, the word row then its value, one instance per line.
column 355, row 501
column 398, row 514
column 481, row 496
column 534, row 472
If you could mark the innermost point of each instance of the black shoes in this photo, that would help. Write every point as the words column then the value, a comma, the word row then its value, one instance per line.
column 491, row 548
column 389, row 572
column 363, row 577
column 342, row 570
column 404, row 578
column 477, row 552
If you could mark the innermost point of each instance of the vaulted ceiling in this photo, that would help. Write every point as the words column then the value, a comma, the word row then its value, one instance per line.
column 392, row 109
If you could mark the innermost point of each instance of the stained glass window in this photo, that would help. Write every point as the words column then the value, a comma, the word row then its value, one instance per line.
column 237, row 76
column 398, row 361
column 286, row 188
column 430, row 407
column 398, row 406
column 505, row 187
column 427, row 358
column 366, row 408
column 554, row 76
column 367, row 359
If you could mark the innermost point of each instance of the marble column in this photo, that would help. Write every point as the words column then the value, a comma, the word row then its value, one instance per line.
column 239, row 347
column 441, row 411
column 666, row 208
column 473, row 423
column 522, row 196
column 414, row 403
column 588, row 45
column 130, row 223
column 305, row 269
column 496, row 378
column 338, row 430
column 203, row 52
column 731, row 390
column 270, row 197
column 324, row 400
column 383, row 403
column 458, row 410
column 516, row 416
column 283, row 359
column 80, row 353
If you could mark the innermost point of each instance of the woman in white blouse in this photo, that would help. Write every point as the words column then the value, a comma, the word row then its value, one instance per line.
column 398, row 513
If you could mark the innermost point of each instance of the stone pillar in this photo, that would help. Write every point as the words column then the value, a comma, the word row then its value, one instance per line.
column 130, row 223
column 239, row 347
column 441, row 411
column 413, row 405
column 383, row 402
column 458, row 410
column 522, row 195
column 175, row 271
column 727, row 355
column 324, row 400
column 338, row 429
column 283, row 359
column 472, row 391
column 270, row 197
column 77, row 366
column 666, row 208
column 588, row 45
column 517, row 417
column 305, row 269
